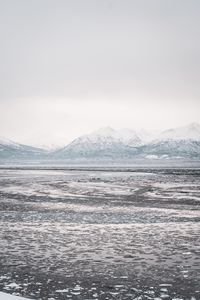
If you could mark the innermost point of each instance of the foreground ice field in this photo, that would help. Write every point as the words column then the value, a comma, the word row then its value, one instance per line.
column 100, row 233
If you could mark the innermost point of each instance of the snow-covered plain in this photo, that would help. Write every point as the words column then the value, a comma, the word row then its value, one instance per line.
column 100, row 233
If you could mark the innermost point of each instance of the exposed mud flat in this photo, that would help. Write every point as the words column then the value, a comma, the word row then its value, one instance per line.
column 100, row 233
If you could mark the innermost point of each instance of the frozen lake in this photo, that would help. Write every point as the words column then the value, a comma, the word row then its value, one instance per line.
column 100, row 233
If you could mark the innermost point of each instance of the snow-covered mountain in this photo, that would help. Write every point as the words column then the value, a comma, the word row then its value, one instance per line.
column 148, row 135
column 181, row 142
column 13, row 150
column 171, row 148
column 105, row 142
column 190, row 132
column 109, row 143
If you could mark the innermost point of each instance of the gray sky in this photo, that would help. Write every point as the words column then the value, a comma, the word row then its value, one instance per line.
column 70, row 67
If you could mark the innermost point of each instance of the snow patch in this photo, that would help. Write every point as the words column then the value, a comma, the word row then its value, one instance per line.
column 4, row 296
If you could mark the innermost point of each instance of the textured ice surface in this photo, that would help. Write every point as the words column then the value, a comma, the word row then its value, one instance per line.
column 100, row 234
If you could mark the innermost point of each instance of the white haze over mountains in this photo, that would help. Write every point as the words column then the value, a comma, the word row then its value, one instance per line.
column 108, row 143
column 130, row 136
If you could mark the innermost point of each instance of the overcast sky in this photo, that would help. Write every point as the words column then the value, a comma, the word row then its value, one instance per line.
column 68, row 67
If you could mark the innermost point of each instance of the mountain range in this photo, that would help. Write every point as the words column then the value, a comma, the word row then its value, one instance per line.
column 13, row 150
column 108, row 143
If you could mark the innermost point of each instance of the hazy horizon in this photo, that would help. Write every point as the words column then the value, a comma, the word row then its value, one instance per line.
column 153, row 134
column 71, row 67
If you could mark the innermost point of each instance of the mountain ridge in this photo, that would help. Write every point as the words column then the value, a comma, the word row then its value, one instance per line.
column 108, row 143
column 125, row 143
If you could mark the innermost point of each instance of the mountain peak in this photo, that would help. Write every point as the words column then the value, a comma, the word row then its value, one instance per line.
column 106, row 131
column 5, row 141
column 189, row 132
